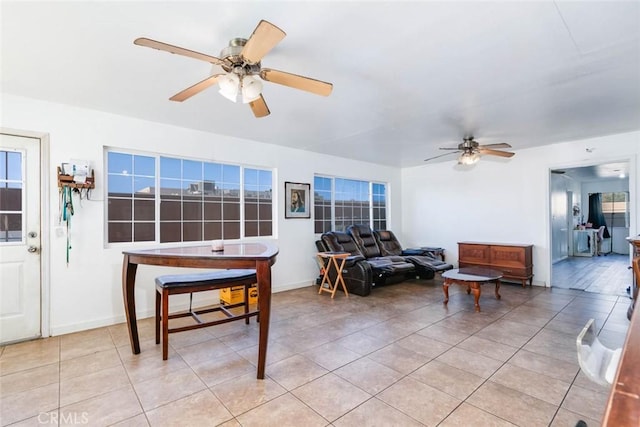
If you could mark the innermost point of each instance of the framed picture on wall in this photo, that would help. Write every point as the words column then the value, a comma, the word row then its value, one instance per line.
column 297, row 200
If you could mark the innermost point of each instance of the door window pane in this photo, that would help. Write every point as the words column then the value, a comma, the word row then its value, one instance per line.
column 11, row 185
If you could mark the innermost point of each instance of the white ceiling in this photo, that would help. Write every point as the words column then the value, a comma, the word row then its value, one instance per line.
column 408, row 77
column 602, row 172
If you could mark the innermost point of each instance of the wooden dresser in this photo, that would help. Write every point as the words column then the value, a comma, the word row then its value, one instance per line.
column 514, row 260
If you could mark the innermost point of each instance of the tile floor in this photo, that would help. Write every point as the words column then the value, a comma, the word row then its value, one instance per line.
column 395, row 358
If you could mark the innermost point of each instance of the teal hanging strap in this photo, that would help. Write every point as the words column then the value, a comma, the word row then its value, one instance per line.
column 67, row 213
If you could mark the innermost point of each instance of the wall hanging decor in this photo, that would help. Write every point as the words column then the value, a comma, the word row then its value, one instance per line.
column 297, row 200
column 75, row 177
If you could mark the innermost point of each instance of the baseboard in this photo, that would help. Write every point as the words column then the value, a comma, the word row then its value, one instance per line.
column 143, row 314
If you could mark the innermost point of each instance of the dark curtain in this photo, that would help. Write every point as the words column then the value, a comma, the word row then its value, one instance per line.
column 596, row 217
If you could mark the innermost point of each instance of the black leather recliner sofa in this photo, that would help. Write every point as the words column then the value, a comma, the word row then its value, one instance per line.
column 426, row 264
column 386, row 269
column 375, row 260
column 357, row 273
column 361, row 274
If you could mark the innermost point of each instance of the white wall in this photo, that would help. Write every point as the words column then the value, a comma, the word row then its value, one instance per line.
column 497, row 200
column 500, row 200
column 88, row 293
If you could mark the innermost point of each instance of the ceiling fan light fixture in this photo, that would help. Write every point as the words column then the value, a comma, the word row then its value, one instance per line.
column 251, row 89
column 468, row 158
column 229, row 85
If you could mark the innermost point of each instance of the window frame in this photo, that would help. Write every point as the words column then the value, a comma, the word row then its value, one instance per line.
column 371, row 203
column 157, row 198
column 609, row 214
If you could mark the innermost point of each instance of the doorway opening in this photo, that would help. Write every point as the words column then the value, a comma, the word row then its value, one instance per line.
column 582, row 258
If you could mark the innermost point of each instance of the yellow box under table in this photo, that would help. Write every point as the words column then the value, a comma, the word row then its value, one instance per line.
column 235, row 295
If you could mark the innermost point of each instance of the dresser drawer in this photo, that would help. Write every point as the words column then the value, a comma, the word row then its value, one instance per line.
column 510, row 256
column 514, row 272
column 477, row 254
column 515, row 261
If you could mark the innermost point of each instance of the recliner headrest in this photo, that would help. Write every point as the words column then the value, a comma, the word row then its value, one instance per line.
column 337, row 241
column 389, row 244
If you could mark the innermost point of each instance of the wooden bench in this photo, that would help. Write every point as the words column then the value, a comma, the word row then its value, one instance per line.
column 190, row 283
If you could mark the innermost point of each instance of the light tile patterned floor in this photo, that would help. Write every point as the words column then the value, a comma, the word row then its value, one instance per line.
column 395, row 358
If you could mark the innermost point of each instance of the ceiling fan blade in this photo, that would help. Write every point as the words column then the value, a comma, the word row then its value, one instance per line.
column 495, row 152
column 264, row 38
column 449, row 148
column 142, row 41
column 297, row 82
column 500, row 145
column 259, row 107
column 196, row 88
column 442, row 155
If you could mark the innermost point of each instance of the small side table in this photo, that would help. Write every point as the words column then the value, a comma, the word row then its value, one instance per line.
column 335, row 261
column 472, row 278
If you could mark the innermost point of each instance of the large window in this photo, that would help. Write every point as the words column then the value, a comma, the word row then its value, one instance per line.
column 615, row 207
column 257, row 202
column 166, row 199
column 131, row 206
column 340, row 202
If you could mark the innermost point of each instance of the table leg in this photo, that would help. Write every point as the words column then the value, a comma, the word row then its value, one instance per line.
column 498, row 289
column 128, row 296
column 475, row 288
column 339, row 279
column 334, row 261
column 263, row 270
column 325, row 277
column 445, row 289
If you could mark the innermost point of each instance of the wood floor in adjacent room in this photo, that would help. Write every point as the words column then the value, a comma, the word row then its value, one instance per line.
column 608, row 274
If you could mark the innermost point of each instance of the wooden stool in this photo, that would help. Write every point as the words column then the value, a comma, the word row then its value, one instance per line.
column 190, row 283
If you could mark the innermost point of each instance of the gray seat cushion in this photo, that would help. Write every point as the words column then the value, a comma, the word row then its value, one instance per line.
column 210, row 278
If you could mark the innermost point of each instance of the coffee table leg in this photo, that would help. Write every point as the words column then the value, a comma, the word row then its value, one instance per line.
column 498, row 289
column 475, row 287
column 445, row 288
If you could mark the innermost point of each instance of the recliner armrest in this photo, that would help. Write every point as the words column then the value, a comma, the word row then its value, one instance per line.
column 412, row 251
column 351, row 260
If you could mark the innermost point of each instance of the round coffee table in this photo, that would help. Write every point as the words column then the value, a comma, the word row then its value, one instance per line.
column 472, row 278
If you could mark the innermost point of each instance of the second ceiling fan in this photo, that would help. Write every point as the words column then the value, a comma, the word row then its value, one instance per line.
column 238, row 67
column 471, row 151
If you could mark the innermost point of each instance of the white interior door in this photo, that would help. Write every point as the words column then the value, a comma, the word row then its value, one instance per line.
column 20, row 265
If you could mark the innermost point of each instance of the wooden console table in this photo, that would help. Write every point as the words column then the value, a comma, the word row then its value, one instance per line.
column 514, row 261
